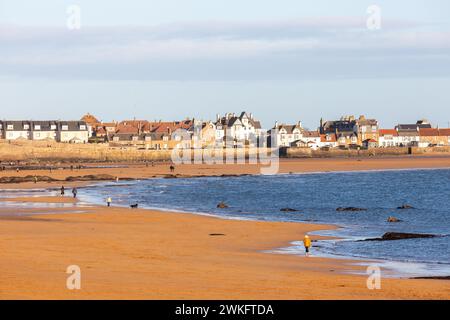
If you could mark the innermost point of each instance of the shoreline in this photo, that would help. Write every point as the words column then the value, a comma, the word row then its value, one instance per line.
column 242, row 267
column 394, row 266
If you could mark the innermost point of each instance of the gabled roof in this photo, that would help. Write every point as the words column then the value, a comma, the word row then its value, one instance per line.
column 166, row 127
column 73, row 125
column 44, row 125
column 390, row 132
column 90, row 119
column 311, row 134
column 444, row 132
column 330, row 136
column 17, row 125
column 288, row 127
column 428, row 132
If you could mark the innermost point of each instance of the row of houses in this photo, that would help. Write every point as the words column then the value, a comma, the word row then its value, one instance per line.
column 235, row 130
column 351, row 132
column 167, row 135
column 54, row 130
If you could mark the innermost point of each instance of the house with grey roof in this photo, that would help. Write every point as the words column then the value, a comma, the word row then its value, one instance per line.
column 242, row 129
column 409, row 135
column 72, row 132
column 286, row 134
column 44, row 130
column 17, row 130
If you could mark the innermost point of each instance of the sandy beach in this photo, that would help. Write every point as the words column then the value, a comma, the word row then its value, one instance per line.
column 146, row 254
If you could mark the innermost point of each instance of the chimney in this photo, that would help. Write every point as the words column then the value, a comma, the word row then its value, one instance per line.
column 218, row 117
column 276, row 124
column 299, row 124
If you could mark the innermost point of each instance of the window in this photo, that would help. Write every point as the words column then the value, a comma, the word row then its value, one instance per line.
column 82, row 127
column 10, row 135
column 53, row 127
column 10, row 127
column 37, row 127
column 26, row 126
column 64, row 127
column 38, row 134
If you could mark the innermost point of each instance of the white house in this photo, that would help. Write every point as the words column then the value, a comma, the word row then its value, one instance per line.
column 14, row 130
column 389, row 138
column 73, row 132
column 328, row 140
column 241, row 129
column 286, row 134
column 44, row 130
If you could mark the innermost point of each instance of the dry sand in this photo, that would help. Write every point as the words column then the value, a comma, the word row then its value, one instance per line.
column 143, row 254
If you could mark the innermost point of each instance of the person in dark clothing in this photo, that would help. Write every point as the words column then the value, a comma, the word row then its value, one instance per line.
column 63, row 191
column 74, row 192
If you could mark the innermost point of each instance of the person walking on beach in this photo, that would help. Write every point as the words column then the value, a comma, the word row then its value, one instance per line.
column 307, row 244
column 74, row 192
column 62, row 191
column 108, row 201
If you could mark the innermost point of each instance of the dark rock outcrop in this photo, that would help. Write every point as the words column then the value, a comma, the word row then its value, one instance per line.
column 26, row 179
column 288, row 210
column 350, row 209
column 92, row 177
column 434, row 278
column 222, row 205
column 390, row 236
column 405, row 206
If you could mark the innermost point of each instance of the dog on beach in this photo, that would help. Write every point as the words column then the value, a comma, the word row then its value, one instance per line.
column 134, row 206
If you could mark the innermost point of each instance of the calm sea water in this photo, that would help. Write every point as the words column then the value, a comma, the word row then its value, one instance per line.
column 316, row 196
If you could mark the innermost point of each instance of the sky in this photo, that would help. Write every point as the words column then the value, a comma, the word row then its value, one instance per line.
column 285, row 60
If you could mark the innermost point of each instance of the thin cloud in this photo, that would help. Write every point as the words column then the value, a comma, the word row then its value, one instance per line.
column 190, row 47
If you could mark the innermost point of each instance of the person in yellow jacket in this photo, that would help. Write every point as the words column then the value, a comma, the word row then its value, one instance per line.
column 307, row 244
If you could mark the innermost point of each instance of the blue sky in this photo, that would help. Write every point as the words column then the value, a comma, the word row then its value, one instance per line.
column 284, row 60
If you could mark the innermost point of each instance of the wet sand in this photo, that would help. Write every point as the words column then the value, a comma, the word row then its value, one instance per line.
column 146, row 254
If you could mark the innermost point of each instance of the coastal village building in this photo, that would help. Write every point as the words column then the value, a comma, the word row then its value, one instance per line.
column 240, row 129
column 309, row 139
column 352, row 132
column 328, row 140
column 346, row 130
column 99, row 129
column 17, row 130
column 72, row 132
column 429, row 137
column 44, row 130
column 368, row 129
column 388, row 138
column 151, row 135
column 408, row 134
column 287, row 134
column 60, row 131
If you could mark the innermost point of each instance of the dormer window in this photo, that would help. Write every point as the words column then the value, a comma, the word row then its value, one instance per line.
column 53, row 127
column 64, row 127
column 37, row 127
column 26, row 126
column 10, row 127
column 82, row 127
